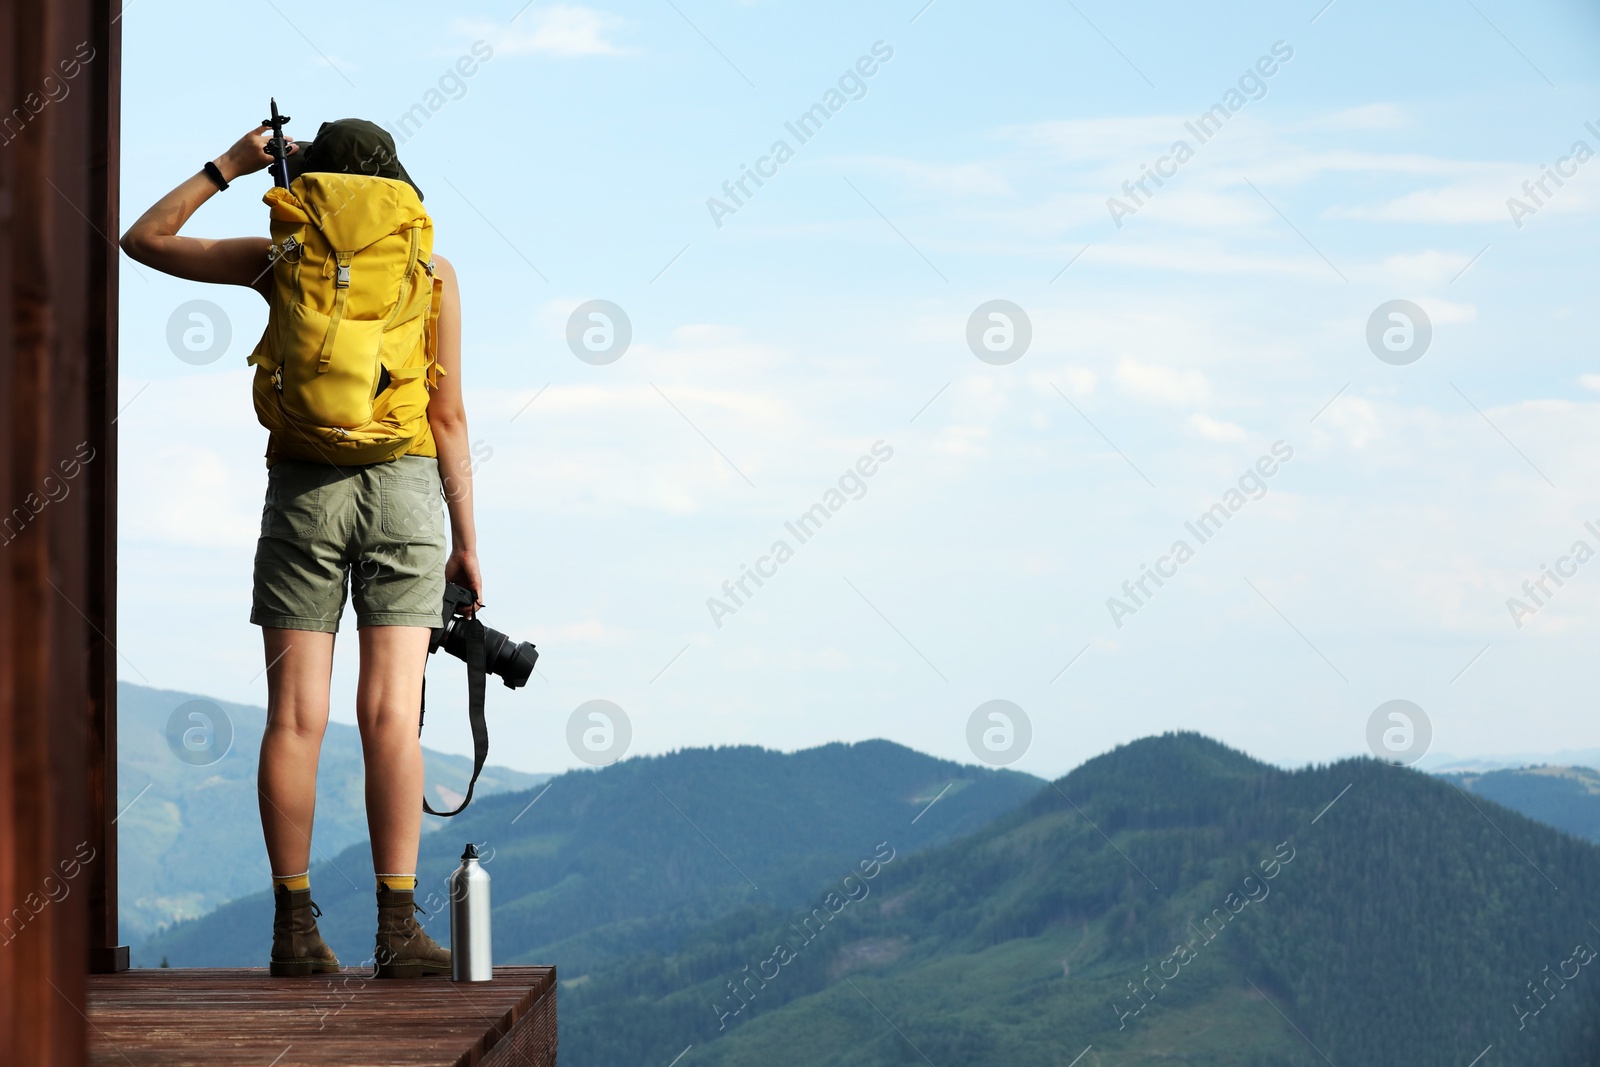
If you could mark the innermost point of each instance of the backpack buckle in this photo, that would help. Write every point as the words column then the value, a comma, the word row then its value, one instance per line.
column 341, row 276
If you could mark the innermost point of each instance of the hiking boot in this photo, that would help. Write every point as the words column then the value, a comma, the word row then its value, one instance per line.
column 297, row 947
column 404, row 949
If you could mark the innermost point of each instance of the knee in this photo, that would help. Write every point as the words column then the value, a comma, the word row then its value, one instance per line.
column 387, row 724
column 297, row 724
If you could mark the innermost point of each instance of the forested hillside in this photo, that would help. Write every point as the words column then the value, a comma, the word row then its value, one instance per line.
column 1171, row 902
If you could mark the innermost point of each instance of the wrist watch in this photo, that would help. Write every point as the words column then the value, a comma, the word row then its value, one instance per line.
column 215, row 174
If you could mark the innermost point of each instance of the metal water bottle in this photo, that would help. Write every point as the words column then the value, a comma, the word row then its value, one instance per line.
column 471, row 958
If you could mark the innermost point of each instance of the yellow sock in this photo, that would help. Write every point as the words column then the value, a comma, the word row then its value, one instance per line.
column 397, row 881
column 292, row 881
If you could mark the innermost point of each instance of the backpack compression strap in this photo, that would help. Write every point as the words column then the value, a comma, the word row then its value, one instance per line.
column 476, row 672
column 341, row 289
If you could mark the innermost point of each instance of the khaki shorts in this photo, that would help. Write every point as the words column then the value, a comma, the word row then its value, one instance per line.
column 377, row 529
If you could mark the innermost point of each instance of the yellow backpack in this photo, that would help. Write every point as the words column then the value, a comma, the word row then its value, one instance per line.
column 350, row 349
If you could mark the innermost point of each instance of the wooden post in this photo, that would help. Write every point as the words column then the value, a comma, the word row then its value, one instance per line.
column 58, row 151
column 105, row 953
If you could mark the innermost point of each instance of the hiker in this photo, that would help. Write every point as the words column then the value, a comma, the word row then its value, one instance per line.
column 360, row 449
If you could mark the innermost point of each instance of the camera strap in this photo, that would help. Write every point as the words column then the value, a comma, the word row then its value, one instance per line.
column 476, row 676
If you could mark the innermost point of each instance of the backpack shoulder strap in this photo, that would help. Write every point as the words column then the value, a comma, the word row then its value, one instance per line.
column 431, row 330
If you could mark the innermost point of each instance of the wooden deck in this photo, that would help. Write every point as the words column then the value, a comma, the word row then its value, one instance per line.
column 217, row 1018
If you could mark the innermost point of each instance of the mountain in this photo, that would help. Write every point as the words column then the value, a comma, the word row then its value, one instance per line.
column 1567, row 798
column 1170, row 902
column 600, row 865
column 1444, row 763
column 189, row 835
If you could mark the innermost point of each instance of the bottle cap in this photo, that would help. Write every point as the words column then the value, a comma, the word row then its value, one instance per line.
column 470, row 854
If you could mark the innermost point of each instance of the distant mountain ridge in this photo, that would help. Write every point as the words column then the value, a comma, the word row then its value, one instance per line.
column 189, row 835
column 1567, row 798
column 1444, row 763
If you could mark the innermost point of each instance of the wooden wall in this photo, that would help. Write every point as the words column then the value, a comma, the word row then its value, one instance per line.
column 58, row 221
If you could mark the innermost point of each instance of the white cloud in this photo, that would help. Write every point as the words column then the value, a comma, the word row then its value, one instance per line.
column 558, row 30
column 963, row 440
column 1443, row 311
column 1209, row 258
column 1352, row 419
column 1428, row 268
column 1204, row 208
column 1286, row 163
column 588, row 630
column 1216, row 429
column 1162, row 385
column 1074, row 381
column 961, row 179
column 1080, row 140
column 1468, row 202
column 1447, row 204
column 1366, row 117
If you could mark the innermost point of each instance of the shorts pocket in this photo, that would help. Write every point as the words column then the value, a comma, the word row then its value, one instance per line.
column 410, row 509
column 293, row 509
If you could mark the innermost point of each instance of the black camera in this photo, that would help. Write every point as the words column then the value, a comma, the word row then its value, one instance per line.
column 511, row 660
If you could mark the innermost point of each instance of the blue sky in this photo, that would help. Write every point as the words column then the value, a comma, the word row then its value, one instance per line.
column 830, row 312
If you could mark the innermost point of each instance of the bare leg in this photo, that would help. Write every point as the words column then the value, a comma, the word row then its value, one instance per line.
column 388, row 703
column 299, row 670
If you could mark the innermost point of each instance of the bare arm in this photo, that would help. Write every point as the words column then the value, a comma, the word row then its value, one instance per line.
column 447, row 416
column 153, row 240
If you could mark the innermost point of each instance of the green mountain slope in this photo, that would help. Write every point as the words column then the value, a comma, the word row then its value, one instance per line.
column 189, row 835
column 604, row 864
column 1171, row 902
column 1567, row 798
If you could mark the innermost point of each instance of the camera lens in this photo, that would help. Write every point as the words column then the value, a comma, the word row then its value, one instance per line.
column 511, row 661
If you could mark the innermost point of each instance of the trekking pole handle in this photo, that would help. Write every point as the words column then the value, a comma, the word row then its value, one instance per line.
column 277, row 147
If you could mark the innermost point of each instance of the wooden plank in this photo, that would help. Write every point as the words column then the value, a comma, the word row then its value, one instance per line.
column 216, row 1018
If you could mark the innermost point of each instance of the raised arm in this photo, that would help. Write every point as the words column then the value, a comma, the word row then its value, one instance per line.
column 447, row 416
column 153, row 240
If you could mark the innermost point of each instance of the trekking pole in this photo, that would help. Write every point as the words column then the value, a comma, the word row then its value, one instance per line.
column 277, row 147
